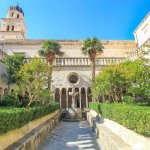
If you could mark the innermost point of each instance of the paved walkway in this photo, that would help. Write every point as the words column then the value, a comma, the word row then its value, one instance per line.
column 71, row 136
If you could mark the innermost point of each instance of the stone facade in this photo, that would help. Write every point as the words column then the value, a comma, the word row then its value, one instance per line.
column 73, row 61
column 142, row 32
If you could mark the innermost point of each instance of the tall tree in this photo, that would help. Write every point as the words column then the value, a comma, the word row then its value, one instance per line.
column 91, row 47
column 13, row 63
column 49, row 50
column 32, row 79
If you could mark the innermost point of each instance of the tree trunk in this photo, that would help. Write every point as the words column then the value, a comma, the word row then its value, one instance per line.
column 30, row 100
column 49, row 80
column 93, row 69
column 103, row 98
column 50, row 60
column 29, row 104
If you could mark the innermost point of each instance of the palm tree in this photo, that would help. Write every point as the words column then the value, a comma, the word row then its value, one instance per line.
column 91, row 47
column 49, row 50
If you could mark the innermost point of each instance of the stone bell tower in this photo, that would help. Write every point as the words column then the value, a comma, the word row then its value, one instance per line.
column 13, row 26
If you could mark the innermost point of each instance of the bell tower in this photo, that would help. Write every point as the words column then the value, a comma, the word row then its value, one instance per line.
column 13, row 26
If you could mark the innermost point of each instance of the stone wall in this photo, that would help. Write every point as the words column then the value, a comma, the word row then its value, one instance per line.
column 71, row 48
column 114, row 136
column 60, row 76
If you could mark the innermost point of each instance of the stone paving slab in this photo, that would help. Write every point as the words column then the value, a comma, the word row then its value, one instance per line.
column 71, row 136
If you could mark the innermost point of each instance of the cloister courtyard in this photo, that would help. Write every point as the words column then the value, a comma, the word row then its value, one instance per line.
column 84, row 94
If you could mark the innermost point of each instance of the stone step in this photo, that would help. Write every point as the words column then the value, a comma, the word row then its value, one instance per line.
column 73, row 115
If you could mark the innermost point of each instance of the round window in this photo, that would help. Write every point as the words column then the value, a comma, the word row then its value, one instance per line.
column 73, row 78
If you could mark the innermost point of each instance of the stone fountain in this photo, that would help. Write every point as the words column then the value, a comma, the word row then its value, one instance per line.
column 73, row 114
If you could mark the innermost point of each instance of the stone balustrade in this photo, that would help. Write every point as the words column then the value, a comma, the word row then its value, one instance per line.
column 86, row 61
column 82, row 61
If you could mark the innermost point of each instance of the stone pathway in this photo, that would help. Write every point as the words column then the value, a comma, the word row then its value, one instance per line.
column 71, row 136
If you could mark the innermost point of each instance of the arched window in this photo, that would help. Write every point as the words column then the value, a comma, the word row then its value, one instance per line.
column 12, row 14
column 1, row 91
column 13, row 28
column 8, row 28
column 5, row 91
column 17, row 15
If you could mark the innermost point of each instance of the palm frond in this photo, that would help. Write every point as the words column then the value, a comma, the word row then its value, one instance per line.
column 91, row 46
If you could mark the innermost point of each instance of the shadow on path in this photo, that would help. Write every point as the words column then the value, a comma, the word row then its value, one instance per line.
column 71, row 136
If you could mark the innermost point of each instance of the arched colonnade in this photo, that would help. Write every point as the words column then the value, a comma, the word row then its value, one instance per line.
column 82, row 99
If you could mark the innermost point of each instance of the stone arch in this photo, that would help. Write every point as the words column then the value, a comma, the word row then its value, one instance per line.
column 12, row 90
column 1, row 91
column 57, row 95
column 5, row 91
column 63, row 98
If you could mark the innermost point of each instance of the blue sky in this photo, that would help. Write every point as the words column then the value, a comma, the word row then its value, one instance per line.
column 79, row 19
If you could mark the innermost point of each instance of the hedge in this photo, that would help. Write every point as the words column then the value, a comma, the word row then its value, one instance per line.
column 9, row 100
column 12, row 118
column 136, row 118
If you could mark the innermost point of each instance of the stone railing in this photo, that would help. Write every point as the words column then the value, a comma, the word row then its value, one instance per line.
column 87, row 62
column 82, row 61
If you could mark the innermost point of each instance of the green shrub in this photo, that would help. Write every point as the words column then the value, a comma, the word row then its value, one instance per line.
column 9, row 100
column 129, row 99
column 17, row 117
column 24, row 103
column 136, row 118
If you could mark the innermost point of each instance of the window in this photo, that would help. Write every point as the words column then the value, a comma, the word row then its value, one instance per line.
column 13, row 28
column 17, row 15
column 12, row 14
column 73, row 78
column 8, row 28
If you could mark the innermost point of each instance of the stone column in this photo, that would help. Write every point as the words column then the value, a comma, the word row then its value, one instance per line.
column 80, row 97
column 60, row 95
column 67, row 98
column 86, row 93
